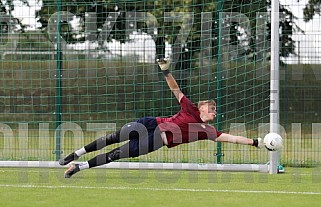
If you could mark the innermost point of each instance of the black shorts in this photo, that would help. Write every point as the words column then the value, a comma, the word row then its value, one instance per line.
column 144, row 136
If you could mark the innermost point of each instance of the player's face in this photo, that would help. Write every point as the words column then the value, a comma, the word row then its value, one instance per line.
column 208, row 112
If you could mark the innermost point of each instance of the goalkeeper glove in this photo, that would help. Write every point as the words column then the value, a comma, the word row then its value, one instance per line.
column 164, row 64
column 258, row 143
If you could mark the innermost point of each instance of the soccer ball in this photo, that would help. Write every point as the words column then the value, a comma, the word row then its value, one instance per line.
column 273, row 141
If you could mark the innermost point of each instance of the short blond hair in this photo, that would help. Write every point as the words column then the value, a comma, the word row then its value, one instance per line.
column 209, row 102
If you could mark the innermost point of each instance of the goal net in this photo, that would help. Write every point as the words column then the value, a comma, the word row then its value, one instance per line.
column 83, row 69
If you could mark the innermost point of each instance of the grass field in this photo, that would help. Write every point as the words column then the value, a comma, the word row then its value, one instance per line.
column 101, row 187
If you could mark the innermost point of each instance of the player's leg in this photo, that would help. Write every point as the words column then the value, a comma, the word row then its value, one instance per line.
column 125, row 151
column 138, row 145
column 93, row 146
column 99, row 160
column 124, row 134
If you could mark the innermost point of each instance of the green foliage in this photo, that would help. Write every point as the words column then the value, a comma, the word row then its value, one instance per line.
column 288, row 27
column 167, row 30
column 313, row 7
column 7, row 7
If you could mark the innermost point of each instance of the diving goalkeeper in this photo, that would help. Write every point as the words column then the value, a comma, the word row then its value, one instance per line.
column 148, row 134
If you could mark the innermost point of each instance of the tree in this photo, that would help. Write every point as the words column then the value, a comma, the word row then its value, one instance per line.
column 239, row 36
column 169, row 30
column 287, row 28
column 101, row 8
column 312, row 8
column 7, row 7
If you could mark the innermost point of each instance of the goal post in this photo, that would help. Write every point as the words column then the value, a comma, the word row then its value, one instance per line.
column 275, row 84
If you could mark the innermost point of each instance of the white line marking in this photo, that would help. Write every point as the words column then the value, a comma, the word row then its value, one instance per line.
column 161, row 189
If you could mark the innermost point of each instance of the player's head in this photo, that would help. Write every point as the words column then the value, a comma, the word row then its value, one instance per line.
column 207, row 109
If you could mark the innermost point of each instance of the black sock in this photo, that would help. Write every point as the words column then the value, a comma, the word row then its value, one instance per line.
column 103, row 142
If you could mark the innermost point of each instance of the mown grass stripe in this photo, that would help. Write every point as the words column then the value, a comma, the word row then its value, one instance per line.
column 161, row 189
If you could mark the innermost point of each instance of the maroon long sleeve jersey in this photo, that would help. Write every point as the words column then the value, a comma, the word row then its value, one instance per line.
column 186, row 126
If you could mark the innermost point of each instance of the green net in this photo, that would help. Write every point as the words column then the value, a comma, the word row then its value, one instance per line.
column 85, row 68
column 89, row 67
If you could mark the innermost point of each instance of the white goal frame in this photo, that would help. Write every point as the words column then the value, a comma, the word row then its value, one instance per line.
column 271, row 168
column 147, row 166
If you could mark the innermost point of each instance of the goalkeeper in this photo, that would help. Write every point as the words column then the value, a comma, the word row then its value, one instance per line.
column 148, row 134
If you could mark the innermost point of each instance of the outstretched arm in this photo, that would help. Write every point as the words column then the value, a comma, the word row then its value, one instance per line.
column 240, row 140
column 171, row 82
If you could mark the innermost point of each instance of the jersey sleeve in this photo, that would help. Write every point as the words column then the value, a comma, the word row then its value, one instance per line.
column 218, row 133
column 215, row 134
column 187, row 105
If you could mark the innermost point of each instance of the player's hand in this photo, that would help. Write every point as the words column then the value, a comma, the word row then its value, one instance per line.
column 163, row 63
